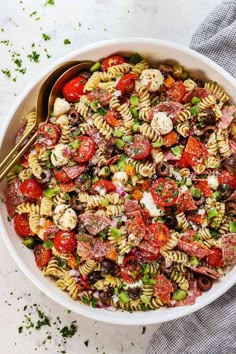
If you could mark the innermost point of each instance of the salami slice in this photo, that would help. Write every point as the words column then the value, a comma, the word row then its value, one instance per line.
column 228, row 113
column 163, row 288
column 172, row 109
column 206, row 271
column 188, row 236
column 100, row 249
column 171, row 157
column 192, row 249
column 74, row 171
column 99, row 95
column 149, row 247
column 14, row 197
column 131, row 205
column 192, row 295
column 85, row 245
column 229, row 248
column 94, row 223
column 199, row 92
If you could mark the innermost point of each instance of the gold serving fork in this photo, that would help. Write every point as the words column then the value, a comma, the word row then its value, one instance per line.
column 49, row 91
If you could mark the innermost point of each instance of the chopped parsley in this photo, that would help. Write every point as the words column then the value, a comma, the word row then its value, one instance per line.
column 46, row 37
column 67, row 41
column 68, row 331
column 49, row 2
column 6, row 72
column 34, row 56
column 86, row 343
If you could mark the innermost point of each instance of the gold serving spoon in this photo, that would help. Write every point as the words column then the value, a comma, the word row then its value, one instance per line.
column 49, row 91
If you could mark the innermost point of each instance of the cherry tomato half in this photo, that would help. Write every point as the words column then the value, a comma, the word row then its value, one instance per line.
column 214, row 257
column 176, row 92
column 21, row 225
column 164, row 192
column 65, row 241
column 48, row 135
column 86, row 149
column 111, row 61
column 74, row 89
column 31, row 188
column 42, row 255
column 126, row 83
column 157, row 233
column 131, row 269
column 61, row 175
column 226, row 177
column 103, row 184
column 140, row 148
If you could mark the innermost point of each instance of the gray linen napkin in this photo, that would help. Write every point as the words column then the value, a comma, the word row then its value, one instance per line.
column 211, row 330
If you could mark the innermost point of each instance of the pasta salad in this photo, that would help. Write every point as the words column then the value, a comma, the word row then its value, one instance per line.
column 128, row 196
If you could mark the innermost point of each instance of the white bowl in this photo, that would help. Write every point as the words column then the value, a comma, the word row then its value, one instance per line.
column 155, row 50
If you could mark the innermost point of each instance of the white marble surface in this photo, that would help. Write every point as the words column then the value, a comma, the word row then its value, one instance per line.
column 82, row 22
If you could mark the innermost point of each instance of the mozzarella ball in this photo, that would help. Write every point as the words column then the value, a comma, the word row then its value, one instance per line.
column 152, row 79
column 65, row 218
column 59, row 157
column 150, row 205
column 161, row 123
column 213, row 182
column 119, row 179
column 61, row 106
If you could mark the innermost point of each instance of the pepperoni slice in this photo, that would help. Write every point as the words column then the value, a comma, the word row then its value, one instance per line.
column 198, row 92
column 229, row 248
column 172, row 109
column 86, row 149
column 94, row 223
column 140, row 148
column 164, row 192
column 48, row 135
column 163, row 288
column 192, row 249
column 74, row 171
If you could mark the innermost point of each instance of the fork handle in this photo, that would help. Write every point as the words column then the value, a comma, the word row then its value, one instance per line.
column 16, row 148
column 7, row 168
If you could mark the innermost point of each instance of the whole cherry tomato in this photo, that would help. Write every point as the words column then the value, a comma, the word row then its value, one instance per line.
column 21, row 225
column 74, row 89
column 65, row 241
column 42, row 255
column 126, row 83
column 111, row 61
column 31, row 188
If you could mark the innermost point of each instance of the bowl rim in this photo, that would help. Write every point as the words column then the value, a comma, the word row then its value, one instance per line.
column 98, row 314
